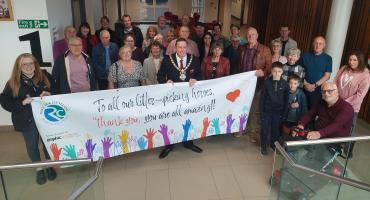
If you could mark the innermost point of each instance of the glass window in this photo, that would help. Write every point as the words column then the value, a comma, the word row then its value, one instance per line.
column 151, row 9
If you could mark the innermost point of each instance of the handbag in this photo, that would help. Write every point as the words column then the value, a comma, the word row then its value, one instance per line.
column 115, row 83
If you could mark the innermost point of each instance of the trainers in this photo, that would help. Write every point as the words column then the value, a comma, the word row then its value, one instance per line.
column 40, row 177
column 264, row 150
column 51, row 174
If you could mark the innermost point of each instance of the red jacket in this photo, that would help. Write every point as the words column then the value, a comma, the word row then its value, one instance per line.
column 223, row 67
column 93, row 41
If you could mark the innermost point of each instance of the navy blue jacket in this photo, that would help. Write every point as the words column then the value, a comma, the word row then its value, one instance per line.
column 98, row 57
column 301, row 99
column 119, row 29
column 274, row 97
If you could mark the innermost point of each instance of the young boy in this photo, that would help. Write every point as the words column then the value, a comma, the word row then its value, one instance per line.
column 273, row 106
column 292, row 66
column 297, row 104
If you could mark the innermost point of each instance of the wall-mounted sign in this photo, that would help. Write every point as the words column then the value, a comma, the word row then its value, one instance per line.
column 32, row 24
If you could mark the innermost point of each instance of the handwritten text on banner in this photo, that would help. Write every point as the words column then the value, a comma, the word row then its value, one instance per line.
column 114, row 122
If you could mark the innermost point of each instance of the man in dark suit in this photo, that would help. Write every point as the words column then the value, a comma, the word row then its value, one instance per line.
column 180, row 67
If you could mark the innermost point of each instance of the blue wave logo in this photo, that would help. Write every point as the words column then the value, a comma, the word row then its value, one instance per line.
column 54, row 113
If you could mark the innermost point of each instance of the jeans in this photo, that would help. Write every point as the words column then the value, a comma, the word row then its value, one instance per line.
column 273, row 121
column 31, row 137
column 313, row 97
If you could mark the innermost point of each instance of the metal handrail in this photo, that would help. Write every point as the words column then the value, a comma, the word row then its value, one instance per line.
column 326, row 141
column 347, row 181
column 89, row 182
column 46, row 164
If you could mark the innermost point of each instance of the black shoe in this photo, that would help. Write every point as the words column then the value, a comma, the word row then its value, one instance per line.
column 164, row 153
column 264, row 150
column 40, row 177
column 193, row 148
column 51, row 174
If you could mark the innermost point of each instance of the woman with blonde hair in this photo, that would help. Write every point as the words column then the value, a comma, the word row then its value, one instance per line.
column 276, row 46
column 126, row 72
column 26, row 81
column 151, row 32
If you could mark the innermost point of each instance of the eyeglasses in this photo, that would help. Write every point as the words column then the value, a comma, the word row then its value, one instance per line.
column 28, row 64
column 75, row 45
column 328, row 91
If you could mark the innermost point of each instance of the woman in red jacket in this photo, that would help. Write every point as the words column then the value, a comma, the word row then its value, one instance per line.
column 88, row 40
column 215, row 66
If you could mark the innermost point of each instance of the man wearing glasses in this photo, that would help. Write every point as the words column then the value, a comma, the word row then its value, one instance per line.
column 73, row 71
column 333, row 118
column 334, row 115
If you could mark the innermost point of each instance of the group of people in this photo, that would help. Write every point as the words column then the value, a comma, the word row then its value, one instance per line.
column 291, row 89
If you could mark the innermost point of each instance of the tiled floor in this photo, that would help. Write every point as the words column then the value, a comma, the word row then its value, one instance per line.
column 229, row 169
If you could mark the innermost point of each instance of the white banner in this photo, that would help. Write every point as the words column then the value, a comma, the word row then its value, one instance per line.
column 114, row 122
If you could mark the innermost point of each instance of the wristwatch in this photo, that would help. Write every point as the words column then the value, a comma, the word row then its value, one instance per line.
column 316, row 85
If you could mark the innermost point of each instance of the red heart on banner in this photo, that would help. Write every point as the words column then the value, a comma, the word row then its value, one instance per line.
column 232, row 96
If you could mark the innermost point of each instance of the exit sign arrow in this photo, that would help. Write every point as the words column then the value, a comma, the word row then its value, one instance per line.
column 32, row 24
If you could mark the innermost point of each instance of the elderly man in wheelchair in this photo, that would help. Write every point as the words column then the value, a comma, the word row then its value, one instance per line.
column 330, row 118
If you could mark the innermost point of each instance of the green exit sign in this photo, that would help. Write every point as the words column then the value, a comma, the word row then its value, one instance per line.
column 32, row 23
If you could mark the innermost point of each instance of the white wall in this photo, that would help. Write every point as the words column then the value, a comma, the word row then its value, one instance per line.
column 210, row 10
column 236, row 8
column 59, row 16
column 94, row 12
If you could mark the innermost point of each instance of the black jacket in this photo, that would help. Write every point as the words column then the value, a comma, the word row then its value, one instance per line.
column 59, row 73
column 274, row 97
column 22, row 117
column 169, row 72
column 119, row 29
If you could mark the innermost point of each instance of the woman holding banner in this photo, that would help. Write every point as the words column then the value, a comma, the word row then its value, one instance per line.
column 125, row 72
column 26, row 81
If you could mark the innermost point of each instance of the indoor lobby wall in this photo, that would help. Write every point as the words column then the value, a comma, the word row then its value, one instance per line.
column 58, row 14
